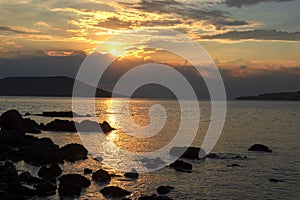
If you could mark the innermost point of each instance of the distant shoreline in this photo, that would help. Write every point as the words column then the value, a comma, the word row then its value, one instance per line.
column 281, row 96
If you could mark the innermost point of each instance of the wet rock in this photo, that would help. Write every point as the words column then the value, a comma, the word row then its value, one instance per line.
column 46, row 188
column 12, row 120
column 72, row 184
column 101, row 176
column 52, row 171
column 30, row 126
column 154, row 197
column 106, row 127
column 7, row 153
column 186, row 152
column 60, row 125
column 133, row 174
column 180, row 165
column 26, row 177
column 27, row 114
column 233, row 165
column 260, row 148
column 212, row 156
column 26, row 191
column 87, row 171
column 275, row 180
column 164, row 189
column 42, row 152
column 69, row 114
column 114, row 191
column 73, row 152
column 9, row 177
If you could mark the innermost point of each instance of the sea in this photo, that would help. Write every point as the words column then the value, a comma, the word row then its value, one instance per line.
column 275, row 124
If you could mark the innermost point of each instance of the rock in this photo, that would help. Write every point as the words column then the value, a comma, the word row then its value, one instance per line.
column 26, row 177
column 9, row 177
column 180, row 165
column 114, row 191
column 43, row 152
column 73, row 152
column 12, row 138
column 26, row 191
column 27, row 114
column 7, row 153
column 52, row 171
column 69, row 114
column 12, row 120
column 164, row 189
column 154, row 197
column 46, row 188
column 60, row 125
column 186, row 152
column 87, row 171
column 30, row 126
column 275, row 180
column 233, row 165
column 132, row 174
column 101, row 176
column 260, row 148
column 72, row 184
column 212, row 156
column 106, row 127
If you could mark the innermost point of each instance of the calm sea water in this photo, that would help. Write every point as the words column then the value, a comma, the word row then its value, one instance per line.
column 275, row 124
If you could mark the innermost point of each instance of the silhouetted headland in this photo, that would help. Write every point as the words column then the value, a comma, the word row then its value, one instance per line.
column 286, row 96
column 58, row 86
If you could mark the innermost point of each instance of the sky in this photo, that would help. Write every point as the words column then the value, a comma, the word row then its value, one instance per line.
column 251, row 41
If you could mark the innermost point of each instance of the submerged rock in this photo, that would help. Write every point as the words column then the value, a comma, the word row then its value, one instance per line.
column 260, row 148
column 180, row 165
column 187, row 152
column 101, row 176
column 132, row 174
column 87, row 171
column 72, row 184
column 73, row 152
column 275, row 180
column 114, row 191
column 60, row 125
column 164, row 189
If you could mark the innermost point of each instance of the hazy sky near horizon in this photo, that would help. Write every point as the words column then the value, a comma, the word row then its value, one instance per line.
column 244, row 37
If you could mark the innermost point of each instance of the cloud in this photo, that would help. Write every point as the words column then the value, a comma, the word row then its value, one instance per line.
column 187, row 11
column 257, row 35
column 240, row 3
column 115, row 23
column 18, row 29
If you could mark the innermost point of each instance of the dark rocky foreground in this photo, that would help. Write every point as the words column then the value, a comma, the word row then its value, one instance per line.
column 16, row 145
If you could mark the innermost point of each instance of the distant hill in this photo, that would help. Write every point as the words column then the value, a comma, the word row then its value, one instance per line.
column 288, row 96
column 58, row 86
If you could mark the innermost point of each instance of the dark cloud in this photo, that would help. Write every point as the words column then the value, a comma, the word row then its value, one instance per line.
column 240, row 3
column 115, row 23
column 187, row 11
column 256, row 34
column 15, row 30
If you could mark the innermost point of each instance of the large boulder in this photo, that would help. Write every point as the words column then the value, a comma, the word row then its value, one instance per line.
column 180, row 165
column 260, row 148
column 26, row 177
column 101, row 176
column 42, row 152
column 72, row 184
column 46, row 188
column 30, row 126
column 52, row 171
column 73, row 152
column 12, row 120
column 114, row 191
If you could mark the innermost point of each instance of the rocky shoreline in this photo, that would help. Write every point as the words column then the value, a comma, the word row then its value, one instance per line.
column 16, row 145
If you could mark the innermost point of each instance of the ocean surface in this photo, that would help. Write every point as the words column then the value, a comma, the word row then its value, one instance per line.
column 275, row 124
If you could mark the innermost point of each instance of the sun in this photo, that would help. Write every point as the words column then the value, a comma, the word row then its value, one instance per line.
column 115, row 52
